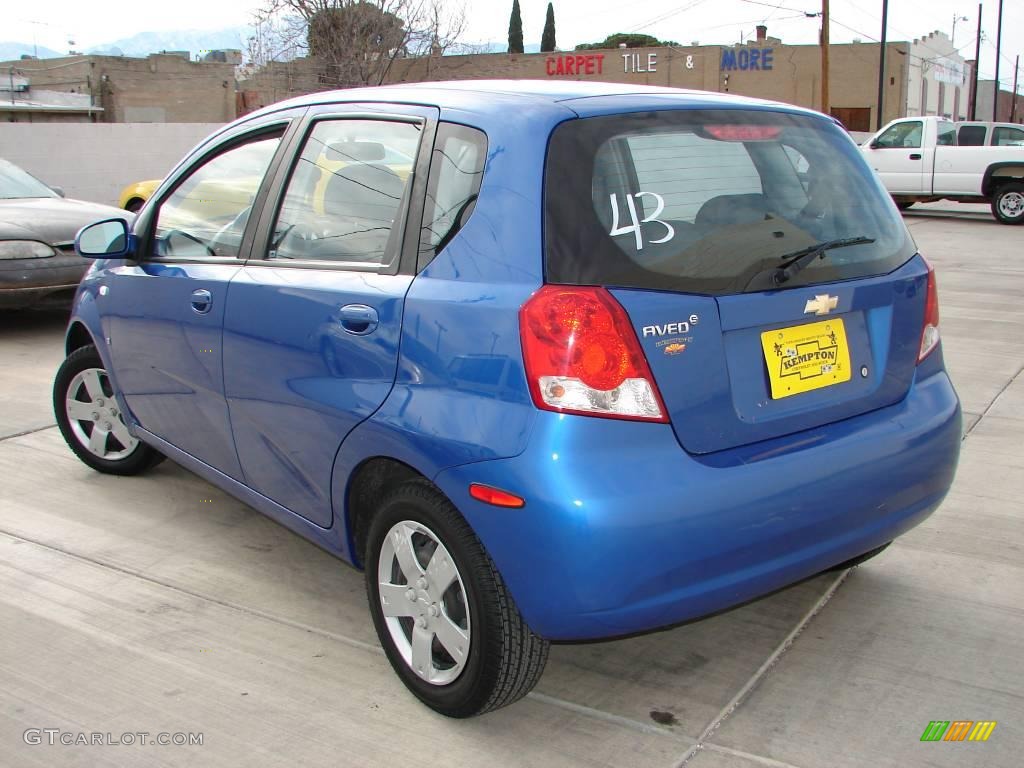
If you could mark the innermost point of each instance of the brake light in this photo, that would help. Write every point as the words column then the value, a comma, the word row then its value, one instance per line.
column 743, row 132
column 582, row 356
column 930, row 330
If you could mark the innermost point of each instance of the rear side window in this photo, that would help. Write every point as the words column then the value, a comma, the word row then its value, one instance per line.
column 347, row 194
column 456, row 170
column 971, row 136
column 705, row 201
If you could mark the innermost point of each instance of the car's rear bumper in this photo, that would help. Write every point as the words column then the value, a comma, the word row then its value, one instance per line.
column 623, row 532
column 26, row 282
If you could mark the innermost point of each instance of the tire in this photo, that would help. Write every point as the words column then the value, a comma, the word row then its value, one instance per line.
column 860, row 558
column 1008, row 204
column 905, row 205
column 505, row 658
column 82, row 378
column 134, row 205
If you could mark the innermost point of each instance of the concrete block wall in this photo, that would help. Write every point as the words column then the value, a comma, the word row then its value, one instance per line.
column 95, row 161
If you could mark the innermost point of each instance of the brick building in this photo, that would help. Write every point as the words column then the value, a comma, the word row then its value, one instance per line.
column 161, row 88
column 764, row 68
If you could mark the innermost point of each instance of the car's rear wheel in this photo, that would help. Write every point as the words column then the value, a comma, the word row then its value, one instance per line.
column 134, row 205
column 1008, row 204
column 904, row 204
column 443, row 614
column 91, row 421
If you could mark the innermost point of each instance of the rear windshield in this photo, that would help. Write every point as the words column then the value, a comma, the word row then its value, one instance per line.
column 708, row 201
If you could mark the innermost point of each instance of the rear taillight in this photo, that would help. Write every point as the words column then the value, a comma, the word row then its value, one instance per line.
column 582, row 356
column 930, row 330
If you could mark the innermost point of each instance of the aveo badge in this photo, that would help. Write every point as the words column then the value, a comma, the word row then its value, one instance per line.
column 677, row 331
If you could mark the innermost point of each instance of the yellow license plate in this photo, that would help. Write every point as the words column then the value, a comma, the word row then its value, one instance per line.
column 806, row 357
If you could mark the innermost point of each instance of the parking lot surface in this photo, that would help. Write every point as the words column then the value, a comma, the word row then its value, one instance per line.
column 158, row 604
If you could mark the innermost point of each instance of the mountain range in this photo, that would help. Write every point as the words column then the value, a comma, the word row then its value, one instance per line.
column 195, row 41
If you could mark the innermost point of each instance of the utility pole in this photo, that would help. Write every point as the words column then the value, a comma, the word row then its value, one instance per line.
column 974, row 75
column 881, row 64
column 825, row 106
column 1013, row 107
column 999, row 52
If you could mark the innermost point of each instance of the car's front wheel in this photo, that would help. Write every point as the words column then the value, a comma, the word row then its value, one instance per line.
column 1008, row 204
column 90, row 420
column 443, row 614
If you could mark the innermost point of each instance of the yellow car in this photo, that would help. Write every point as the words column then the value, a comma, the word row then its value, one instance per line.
column 134, row 195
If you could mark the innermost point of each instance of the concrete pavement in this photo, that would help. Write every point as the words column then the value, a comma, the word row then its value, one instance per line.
column 157, row 603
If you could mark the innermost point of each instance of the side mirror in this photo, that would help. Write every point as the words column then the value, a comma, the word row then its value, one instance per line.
column 875, row 144
column 108, row 239
column 59, row 191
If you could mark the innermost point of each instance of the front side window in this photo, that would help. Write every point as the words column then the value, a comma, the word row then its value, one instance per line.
column 1007, row 137
column 347, row 194
column 901, row 135
column 707, row 201
column 206, row 214
column 456, row 171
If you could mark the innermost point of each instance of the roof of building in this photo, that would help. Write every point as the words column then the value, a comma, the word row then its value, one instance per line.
column 560, row 92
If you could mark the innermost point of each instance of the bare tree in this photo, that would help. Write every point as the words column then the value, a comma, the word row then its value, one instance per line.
column 358, row 41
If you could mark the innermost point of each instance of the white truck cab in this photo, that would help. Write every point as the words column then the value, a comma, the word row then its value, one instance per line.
column 918, row 160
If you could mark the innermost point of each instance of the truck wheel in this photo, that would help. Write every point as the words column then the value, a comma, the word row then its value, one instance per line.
column 904, row 206
column 448, row 625
column 1008, row 204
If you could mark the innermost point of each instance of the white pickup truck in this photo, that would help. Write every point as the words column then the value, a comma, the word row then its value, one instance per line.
column 919, row 162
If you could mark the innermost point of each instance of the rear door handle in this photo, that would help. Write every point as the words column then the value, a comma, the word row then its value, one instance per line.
column 358, row 319
column 915, row 156
column 201, row 301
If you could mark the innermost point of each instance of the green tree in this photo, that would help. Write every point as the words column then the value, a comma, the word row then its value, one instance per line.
column 632, row 40
column 515, row 29
column 547, row 40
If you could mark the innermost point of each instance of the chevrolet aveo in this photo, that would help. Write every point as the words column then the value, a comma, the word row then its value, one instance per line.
column 548, row 361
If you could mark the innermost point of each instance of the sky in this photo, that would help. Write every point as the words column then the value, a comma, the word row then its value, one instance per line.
column 55, row 22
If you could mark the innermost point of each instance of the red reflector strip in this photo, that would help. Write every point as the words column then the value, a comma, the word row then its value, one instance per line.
column 495, row 496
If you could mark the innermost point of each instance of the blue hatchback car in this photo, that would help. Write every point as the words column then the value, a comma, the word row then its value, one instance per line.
column 549, row 361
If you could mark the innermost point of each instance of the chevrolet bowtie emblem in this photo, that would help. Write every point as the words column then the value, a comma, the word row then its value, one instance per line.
column 821, row 305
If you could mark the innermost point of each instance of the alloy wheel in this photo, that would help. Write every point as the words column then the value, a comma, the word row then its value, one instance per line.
column 424, row 602
column 95, row 419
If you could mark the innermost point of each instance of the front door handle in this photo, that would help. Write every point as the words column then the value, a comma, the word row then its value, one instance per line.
column 358, row 319
column 201, row 301
column 915, row 156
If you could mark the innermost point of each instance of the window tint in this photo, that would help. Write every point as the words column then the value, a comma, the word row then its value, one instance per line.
column 971, row 136
column 206, row 215
column 946, row 136
column 707, row 201
column 687, row 170
column 346, row 194
column 902, row 135
column 456, row 170
column 1003, row 137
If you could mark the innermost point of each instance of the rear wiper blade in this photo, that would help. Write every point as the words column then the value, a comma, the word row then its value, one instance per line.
column 796, row 261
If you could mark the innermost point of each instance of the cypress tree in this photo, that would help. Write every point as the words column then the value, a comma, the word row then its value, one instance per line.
column 515, row 29
column 547, row 40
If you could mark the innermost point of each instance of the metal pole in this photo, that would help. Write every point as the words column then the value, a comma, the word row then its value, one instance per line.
column 974, row 74
column 824, row 58
column 999, row 50
column 1013, row 107
column 881, row 65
